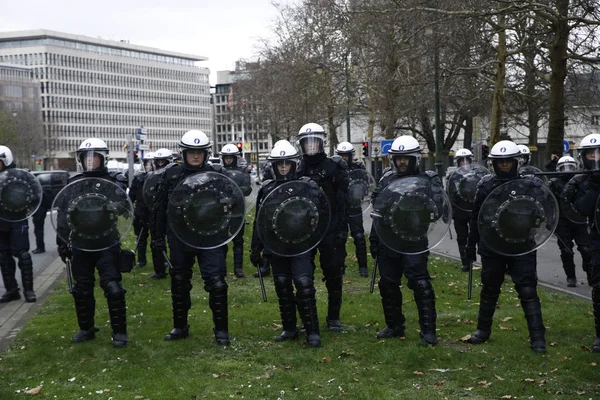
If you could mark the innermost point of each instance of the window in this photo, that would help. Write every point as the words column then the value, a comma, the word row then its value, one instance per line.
column 595, row 120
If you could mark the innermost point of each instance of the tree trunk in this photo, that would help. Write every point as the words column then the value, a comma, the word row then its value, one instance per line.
column 558, row 65
column 498, row 100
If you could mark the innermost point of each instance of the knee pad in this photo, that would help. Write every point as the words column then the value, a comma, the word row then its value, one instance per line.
column 526, row 292
column 180, row 283
column 333, row 283
column 81, row 291
column 360, row 236
column 25, row 258
column 422, row 287
column 305, row 286
column 5, row 256
column 282, row 281
column 386, row 286
column 113, row 290
column 216, row 285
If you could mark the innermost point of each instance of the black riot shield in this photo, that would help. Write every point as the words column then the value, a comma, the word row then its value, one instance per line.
column 92, row 214
column 242, row 179
column 531, row 170
column 518, row 217
column 462, row 185
column 20, row 195
column 293, row 218
column 206, row 210
column 151, row 189
column 360, row 188
column 568, row 211
column 411, row 216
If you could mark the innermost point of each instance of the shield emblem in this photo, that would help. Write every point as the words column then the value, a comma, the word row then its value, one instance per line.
column 293, row 218
column 92, row 214
column 20, row 195
column 462, row 185
column 518, row 217
column 206, row 210
column 411, row 216
column 360, row 188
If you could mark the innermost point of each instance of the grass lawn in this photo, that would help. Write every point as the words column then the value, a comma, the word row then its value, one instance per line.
column 352, row 364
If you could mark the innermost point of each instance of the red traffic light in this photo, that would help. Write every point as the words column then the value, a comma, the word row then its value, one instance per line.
column 239, row 145
column 365, row 144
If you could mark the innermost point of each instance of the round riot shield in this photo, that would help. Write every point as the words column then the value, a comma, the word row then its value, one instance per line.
column 531, row 170
column 568, row 211
column 242, row 179
column 151, row 189
column 360, row 188
column 518, row 217
column 411, row 216
column 206, row 210
column 20, row 195
column 293, row 218
column 92, row 214
column 462, row 185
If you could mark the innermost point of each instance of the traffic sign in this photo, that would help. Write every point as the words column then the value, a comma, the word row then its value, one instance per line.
column 142, row 131
column 247, row 146
column 143, row 147
column 566, row 146
column 386, row 144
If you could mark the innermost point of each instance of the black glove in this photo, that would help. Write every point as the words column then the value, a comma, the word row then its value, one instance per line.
column 471, row 252
column 65, row 253
column 256, row 258
column 159, row 244
column 374, row 248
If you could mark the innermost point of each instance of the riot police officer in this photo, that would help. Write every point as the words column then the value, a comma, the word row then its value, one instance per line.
column 195, row 150
column 405, row 155
column 583, row 191
column 14, row 242
column 265, row 267
column 569, row 230
column 505, row 158
column 92, row 157
column 332, row 177
column 525, row 155
column 162, row 159
column 354, row 215
column 230, row 156
column 290, row 271
column 141, row 212
column 461, row 217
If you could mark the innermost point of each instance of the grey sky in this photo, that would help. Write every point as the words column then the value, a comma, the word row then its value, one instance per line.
column 224, row 31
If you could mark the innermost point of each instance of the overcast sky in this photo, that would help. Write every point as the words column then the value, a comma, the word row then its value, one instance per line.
column 224, row 31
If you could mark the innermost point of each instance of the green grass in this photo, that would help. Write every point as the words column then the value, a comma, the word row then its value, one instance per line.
column 352, row 364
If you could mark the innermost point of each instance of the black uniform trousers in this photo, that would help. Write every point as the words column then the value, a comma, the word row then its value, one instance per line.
column 39, row 218
column 142, row 231
column 14, row 242
column 566, row 233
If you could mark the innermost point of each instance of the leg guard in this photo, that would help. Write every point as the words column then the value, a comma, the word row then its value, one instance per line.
column 115, row 296
column 217, row 301
column 238, row 257
column 158, row 261
column 425, row 299
column 287, row 308
column 85, row 306
column 181, row 303
column 568, row 264
column 533, row 314
column 360, row 243
column 26, row 267
column 334, row 305
column 8, row 268
column 307, row 307
column 391, row 299
column 596, row 305
column 487, row 307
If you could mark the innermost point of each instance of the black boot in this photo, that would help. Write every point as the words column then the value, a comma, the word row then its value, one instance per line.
column 287, row 308
column 533, row 314
column 361, row 254
column 487, row 307
column 26, row 267
column 85, row 306
column 464, row 260
column 334, row 303
column 217, row 301
column 391, row 299
column 596, row 306
column 181, row 303
column 115, row 296
column 569, row 267
column 9, row 268
column 425, row 300
column 307, row 307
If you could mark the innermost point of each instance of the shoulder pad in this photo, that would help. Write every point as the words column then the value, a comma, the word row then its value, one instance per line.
column 431, row 174
column 117, row 176
column 359, row 165
column 387, row 174
column 304, row 179
column 340, row 161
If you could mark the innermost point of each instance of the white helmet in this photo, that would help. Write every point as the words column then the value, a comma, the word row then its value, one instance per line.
column 6, row 156
column 162, row 157
column 566, row 164
column 505, row 149
column 87, row 149
column 148, row 156
column 195, row 140
column 590, row 147
column 284, row 152
column 406, row 146
column 232, row 151
column 344, row 148
column 463, row 154
column 525, row 154
column 311, row 139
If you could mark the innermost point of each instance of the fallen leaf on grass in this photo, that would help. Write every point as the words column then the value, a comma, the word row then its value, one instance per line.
column 372, row 379
column 484, row 384
column 506, row 319
column 465, row 338
column 138, row 397
column 529, row 380
column 593, row 364
column 498, row 377
column 580, row 393
column 468, row 389
column 325, row 360
column 505, row 328
column 553, row 344
column 417, row 373
column 439, row 383
column 355, row 379
column 506, row 396
column 34, row 391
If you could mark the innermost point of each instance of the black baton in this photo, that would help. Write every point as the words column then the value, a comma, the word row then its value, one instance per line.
column 374, row 276
column 69, row 275
column 262, row 283
column 470, row 284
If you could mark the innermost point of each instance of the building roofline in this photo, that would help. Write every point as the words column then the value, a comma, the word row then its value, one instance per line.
column 14, row 66
column 45, row 33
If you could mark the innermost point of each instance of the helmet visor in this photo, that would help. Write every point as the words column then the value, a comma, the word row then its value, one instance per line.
column 311, row 145
column 91, row 160
column 591, row 159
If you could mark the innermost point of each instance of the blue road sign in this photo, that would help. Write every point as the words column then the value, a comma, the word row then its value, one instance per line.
column 566, row 146
column 386, row 144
